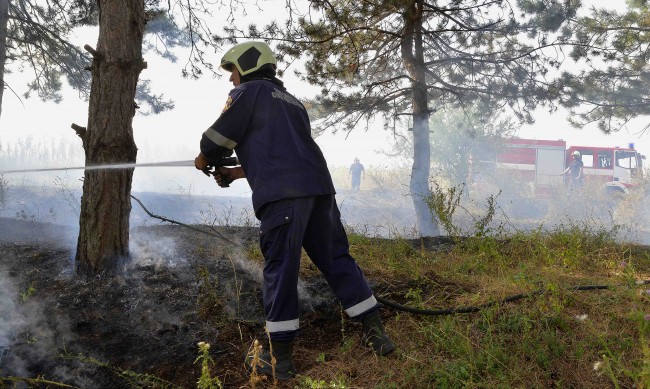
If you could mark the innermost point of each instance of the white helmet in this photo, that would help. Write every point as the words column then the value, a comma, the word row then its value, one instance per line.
column 576, row 154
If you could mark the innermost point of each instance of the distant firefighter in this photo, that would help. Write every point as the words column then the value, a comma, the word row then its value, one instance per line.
column 574, row 171
column 356, row 172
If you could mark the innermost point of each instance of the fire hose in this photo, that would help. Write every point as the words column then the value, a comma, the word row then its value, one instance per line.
column 210, row 170
column 110, row 166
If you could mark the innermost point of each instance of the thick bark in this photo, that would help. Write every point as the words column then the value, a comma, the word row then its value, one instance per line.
column 106, row 205
column 4, row 25
column 413, row 56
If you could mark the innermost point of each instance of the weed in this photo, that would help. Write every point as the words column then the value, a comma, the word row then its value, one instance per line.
column 131, row 378
column 310, row 383
column 35, row 216
column 71, row 198
column 226, row 216
column 481, row 224
column 26, row 216
column 185, row 192
column 452, row 374
column 24, row 296
column 321, row 358
column 209, row 304
column 415, row 297
column 221, row 217
column 253, row 356
column 443, row 204
column 205, row 380
column 247, row 218
column 39, row 381
column 347, row 345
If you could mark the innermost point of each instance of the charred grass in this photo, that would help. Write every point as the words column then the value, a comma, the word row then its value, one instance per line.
column 556, row 337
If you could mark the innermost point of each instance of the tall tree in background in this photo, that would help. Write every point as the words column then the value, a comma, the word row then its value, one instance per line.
column 460, row 137
column 4, row 24
column 615, row 86
column 407, row 59
column 35, row 37
column 34, row 34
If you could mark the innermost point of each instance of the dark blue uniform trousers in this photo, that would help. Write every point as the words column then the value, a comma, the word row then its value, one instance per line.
column 312, row 223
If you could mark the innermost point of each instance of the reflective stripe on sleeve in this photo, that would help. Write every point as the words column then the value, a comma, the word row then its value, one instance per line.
column 219, row 139
column 363, row 306
column 279, row 326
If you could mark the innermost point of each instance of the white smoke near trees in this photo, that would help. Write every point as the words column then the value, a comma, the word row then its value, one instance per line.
column 464, row 143
column 10, row 317
column 23, row 321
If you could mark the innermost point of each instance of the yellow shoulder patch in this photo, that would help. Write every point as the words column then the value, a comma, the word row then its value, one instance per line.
column 228, row 104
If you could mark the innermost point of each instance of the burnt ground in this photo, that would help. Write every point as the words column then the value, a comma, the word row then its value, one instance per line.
column 142, row 327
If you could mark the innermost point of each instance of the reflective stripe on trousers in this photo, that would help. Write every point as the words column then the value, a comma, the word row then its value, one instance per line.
column 312, row 223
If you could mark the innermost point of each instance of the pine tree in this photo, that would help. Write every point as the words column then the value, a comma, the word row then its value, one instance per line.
column 103, row 241
column 34, row 35
column 613, row 89
column 407, row 59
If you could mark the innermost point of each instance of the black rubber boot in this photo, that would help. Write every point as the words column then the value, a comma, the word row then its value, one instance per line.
column 284, row 368
column 374, row 334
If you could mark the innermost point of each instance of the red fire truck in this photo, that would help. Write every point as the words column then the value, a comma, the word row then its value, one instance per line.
column 539, row 164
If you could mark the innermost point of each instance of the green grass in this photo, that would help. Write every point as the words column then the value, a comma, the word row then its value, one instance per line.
column 561, row 338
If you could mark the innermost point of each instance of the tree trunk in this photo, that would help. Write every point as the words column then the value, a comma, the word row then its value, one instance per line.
column 413, row 56
column 106, row 204
column 4, row 26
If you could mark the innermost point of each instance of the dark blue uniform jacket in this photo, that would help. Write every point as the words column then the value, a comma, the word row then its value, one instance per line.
column 270, row 132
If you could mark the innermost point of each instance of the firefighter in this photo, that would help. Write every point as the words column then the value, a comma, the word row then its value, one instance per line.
column 293, row 197
column 355, row 173
column 574, row 171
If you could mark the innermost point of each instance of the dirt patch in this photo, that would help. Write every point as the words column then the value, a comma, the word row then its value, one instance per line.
column 142, row 327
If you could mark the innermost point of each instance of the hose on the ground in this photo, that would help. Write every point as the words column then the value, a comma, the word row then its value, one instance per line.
column 211, row 233
column 471, row 309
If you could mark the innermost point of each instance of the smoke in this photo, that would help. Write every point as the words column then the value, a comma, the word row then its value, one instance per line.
column 153, row 249
column 383, row 208
column 10, row 317
column 507, row 207
column 378, row 213
column 29, row 336
column 310, row 295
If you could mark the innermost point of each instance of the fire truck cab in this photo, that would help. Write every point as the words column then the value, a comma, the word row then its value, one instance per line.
column 538, row 165
column 615, row 167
